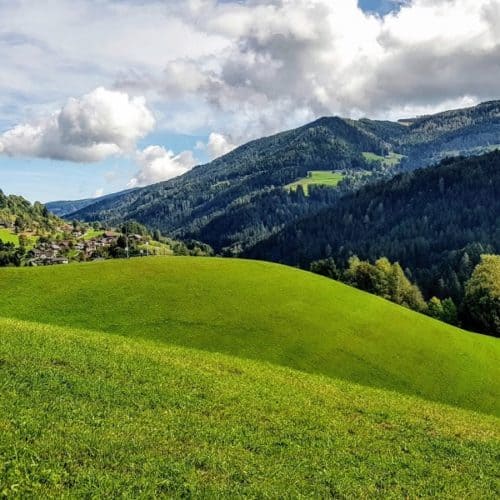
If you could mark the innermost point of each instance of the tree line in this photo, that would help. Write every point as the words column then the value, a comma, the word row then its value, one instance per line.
column 436, row 222
column 479, row 309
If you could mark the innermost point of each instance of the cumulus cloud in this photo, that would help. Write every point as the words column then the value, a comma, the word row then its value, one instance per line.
column 218, row 145
column 157, row 164
column 243, row 69
column 89, row 129
column 296, row 59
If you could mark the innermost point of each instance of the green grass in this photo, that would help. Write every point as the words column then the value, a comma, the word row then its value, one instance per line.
column 317, row 177
column 156, row 248
column 7, row 236
column 268, row 313
column 391, row 160
column 92, row 233
column 88, row 414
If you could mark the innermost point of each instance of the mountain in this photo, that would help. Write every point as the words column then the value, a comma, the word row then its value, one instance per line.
column 465, row 131
column 435, row 221
column 216, row 378
column 238, row 200
column 63, row 208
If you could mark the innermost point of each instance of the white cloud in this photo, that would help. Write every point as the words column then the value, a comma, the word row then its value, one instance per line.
column 54, row 47
column 98, row 193
column 89, row 129
column 291, row 60
column 156, row 164
column 243, row 69
column 218, row 145
column 238, row 61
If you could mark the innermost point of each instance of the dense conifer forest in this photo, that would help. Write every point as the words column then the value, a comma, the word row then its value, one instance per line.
column 436, row 222
column 238, row 199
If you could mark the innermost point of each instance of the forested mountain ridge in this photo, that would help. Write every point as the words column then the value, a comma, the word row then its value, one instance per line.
column 431, row 138
column 238, row 200
column 252, row 173
column 435, row 221
column 65, row 207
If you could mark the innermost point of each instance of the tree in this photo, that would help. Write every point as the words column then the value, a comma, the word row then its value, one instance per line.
column 450, row 313
column 326, row 267
column 363, row 275
column 403, row 292
column 23, row 241
column 435, row 308
column 386, row 280
column 443, row 310
column 482, row 296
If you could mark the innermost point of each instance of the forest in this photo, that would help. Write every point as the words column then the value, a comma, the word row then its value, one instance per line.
column 236, row 201
column 436, row 222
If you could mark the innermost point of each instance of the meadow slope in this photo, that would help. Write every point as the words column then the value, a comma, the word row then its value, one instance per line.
column 264, row 312
column 88, row 413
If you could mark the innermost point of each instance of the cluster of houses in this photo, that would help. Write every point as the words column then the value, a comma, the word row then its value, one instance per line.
column 60, row 252
column 47, row 255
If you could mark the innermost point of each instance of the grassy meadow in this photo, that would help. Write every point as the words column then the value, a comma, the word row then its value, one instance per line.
column 220, row 378
column 264, row 312
column 391, row 160
column 317, row 177
column 86, row 414
column 7, row 236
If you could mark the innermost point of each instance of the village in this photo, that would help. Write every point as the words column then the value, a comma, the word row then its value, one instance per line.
column 36, row 245
column 83, row 244
column 32, row 236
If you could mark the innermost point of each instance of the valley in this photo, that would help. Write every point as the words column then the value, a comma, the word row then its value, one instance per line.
column 231, row 202
column 156, row 366
column 250, row 249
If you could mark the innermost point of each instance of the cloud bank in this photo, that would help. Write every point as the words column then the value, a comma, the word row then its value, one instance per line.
column 92, row 128
column 229, row 70
column 298, row 59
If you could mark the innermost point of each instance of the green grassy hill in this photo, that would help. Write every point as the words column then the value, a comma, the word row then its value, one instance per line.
column 108, row 387
column 268, row 313
column 87, row 413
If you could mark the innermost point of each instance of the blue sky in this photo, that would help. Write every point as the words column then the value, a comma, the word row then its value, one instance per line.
column 381, row 6
column 99, row 95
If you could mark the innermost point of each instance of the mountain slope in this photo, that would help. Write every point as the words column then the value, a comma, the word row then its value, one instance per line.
column 430, row 138
column 185, row 205
column 66, row 207
column 267, row 313
column 226, row 203
column 85, row 413
column 427, row 220
column 15, row 210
